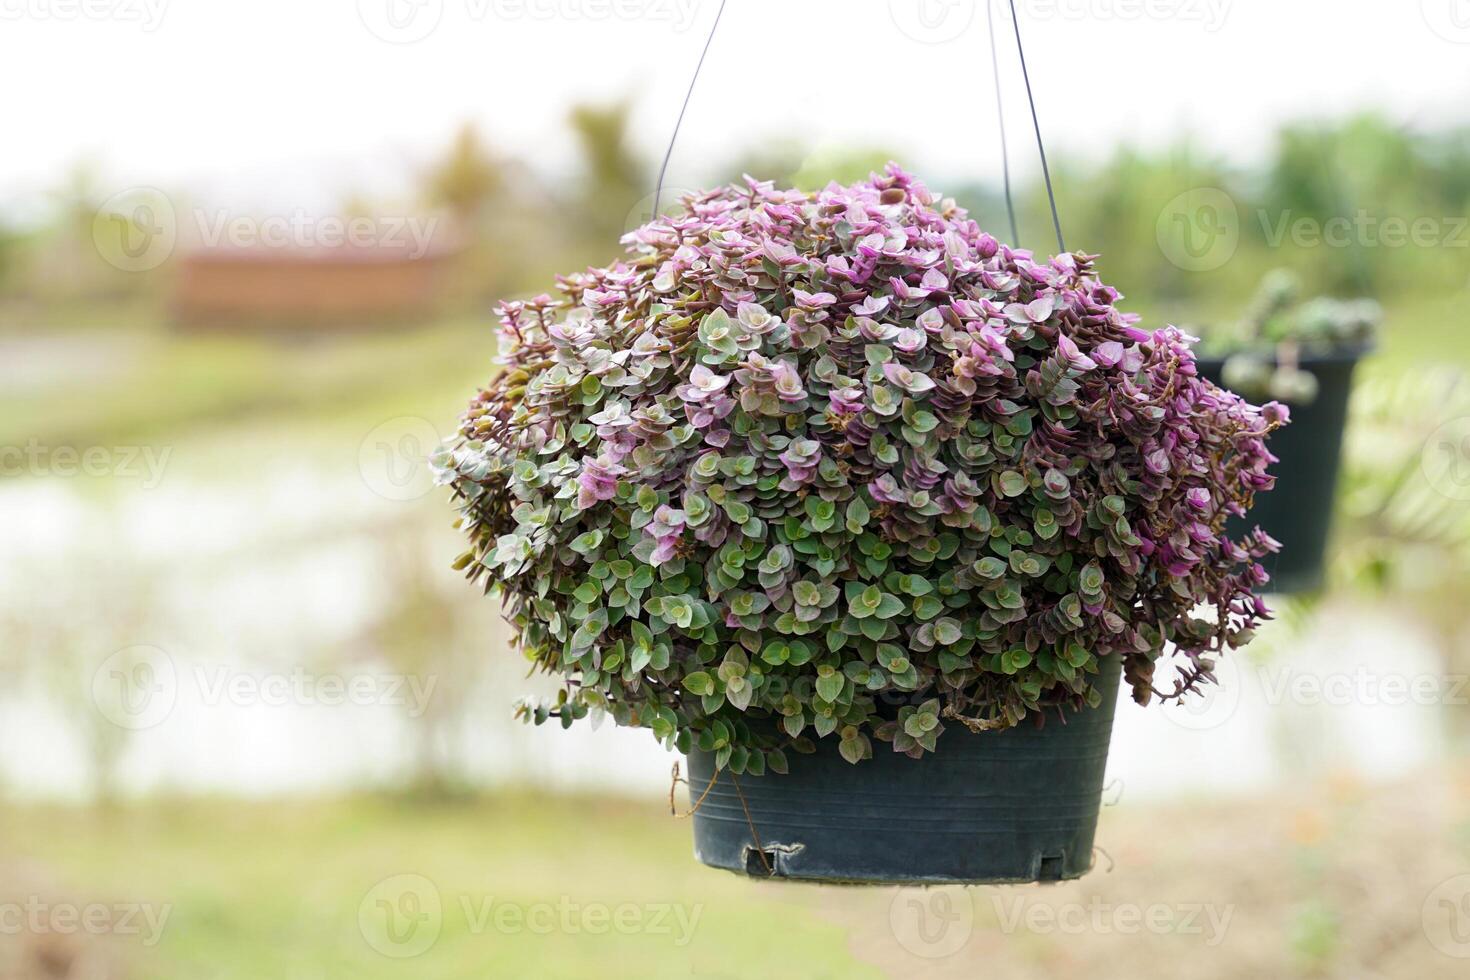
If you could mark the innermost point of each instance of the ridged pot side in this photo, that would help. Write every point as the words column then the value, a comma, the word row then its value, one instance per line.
column 1013, row 806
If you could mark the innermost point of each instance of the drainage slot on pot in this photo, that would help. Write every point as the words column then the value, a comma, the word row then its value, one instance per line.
column 1050, row 868
column 768, row 862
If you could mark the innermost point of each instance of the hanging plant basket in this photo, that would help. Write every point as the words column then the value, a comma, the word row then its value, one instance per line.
column 1298, row 511
column 866, row 513
column 1304, row 354
column 1013, row 806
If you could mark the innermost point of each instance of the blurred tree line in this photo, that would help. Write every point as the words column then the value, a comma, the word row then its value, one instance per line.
column 1357, row 206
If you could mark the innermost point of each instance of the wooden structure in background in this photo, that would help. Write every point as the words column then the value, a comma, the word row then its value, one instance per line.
column 292, row 288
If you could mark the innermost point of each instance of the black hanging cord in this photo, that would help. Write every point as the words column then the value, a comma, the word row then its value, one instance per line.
column 1000, row 118
column 1000, row 113
column 664, row 169
column 1036, row 124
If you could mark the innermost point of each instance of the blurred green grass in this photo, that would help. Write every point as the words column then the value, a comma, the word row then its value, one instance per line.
column 141, row 382
column 1323, row 882
column 274, row 889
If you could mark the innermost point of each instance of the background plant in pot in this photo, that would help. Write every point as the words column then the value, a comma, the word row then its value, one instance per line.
column 839, row 476
column 1303, row 354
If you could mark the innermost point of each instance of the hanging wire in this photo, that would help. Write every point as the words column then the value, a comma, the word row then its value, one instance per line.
column 668, row 155
column 1036, row 124
column 1000, row 118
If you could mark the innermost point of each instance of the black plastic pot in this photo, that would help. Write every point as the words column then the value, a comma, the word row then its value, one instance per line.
column 1012, row 806
column 1298, row 512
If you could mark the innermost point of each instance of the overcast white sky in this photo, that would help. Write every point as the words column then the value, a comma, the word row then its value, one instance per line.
column 263, row 103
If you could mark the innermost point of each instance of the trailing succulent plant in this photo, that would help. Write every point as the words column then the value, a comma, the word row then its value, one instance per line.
column 1263, row 352
column 841, row 464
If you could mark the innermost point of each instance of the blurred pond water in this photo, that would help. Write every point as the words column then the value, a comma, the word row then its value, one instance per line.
column 300, row 634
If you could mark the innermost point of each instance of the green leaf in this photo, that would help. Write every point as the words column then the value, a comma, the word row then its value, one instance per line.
column 990, row 568
column 829, row 687
column 916, row 585
column 585, row 544
column 1015, row 660
column 1012, row 484
column 892, row 657
column 699, row 683
column 947, row 631
column 927, row 607
column 889, row 606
